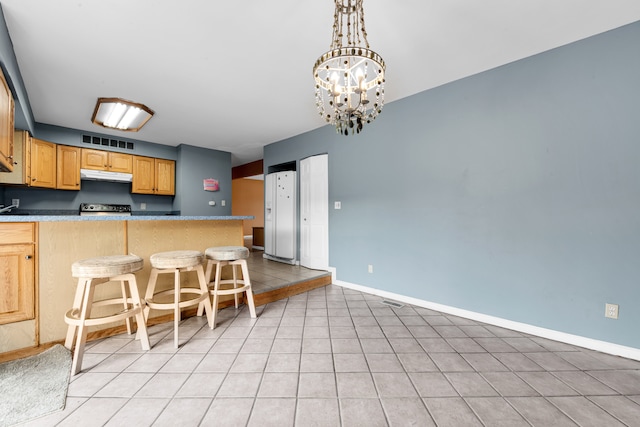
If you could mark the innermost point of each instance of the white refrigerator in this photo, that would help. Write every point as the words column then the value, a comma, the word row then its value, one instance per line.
column 280, row 229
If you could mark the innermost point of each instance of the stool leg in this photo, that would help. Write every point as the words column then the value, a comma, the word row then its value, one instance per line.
column 207, row 280
column 176, row 310
column 151, row 287
column 205, row 290
column 235, row 283
column 77, row 305
column 85, row 312
column 216, row 287
column 140, row 320
column 249, row 291
column 125, row 305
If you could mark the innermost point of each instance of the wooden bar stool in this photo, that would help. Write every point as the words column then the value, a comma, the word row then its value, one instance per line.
column 233, row 256
column 176, row 262
column 109, row 269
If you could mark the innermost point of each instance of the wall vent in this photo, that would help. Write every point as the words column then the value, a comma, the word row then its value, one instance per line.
column 392, row 303
column 107, row 142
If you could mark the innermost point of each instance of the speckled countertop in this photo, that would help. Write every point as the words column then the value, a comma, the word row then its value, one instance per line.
column 54, row 218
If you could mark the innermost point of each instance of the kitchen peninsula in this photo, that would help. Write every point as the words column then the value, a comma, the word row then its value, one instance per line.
column 57, row 241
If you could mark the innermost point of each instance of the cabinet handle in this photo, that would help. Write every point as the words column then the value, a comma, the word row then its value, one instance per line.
column 28, row 257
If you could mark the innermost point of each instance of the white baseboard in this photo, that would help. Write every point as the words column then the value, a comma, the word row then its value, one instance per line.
column 602, row 346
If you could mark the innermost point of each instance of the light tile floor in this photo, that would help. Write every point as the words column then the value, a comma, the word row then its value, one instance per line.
column 337, row 357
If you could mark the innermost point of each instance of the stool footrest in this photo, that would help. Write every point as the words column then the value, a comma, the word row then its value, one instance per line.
column 72, row 317
column 171, row 305
column 233, row 291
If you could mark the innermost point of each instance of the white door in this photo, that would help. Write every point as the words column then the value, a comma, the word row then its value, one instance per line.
column 314, row 212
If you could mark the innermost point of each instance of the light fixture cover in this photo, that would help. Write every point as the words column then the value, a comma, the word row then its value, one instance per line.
column 120, row 114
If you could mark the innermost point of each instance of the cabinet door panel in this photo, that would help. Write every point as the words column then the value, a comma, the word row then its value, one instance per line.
column 165, row 177
column 119, row 162
column 143, row 175
column 17, row 301
column 68, row 169
column 43, row 163
column 6, row 126
column 94, row 159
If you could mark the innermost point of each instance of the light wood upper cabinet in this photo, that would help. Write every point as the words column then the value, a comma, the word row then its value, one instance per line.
column 153, row 176
column 143, row 175
column 106, row 161
column 21, row 174
column 165, row 177
column 43, row 163
column 68, row 170
column 6, row 126
column 17, row 280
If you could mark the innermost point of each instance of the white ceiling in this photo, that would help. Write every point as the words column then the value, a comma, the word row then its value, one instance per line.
column 236, row 75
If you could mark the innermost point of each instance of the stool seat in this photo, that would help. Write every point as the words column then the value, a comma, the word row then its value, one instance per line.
column 110, row 268
column 176, row 259
column 227, row 253
column 106, row 266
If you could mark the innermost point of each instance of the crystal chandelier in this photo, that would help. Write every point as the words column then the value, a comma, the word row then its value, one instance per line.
column 350, row 76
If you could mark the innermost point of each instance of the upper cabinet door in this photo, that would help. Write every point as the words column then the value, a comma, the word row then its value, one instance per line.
column 143, row 175
column 94, row 159
column 106, row 161
column 6, row 126
column 120, row 162
column 43, row 163
column 165, row 177
column 68, row 168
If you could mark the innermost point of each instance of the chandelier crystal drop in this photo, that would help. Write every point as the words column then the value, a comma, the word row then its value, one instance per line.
column 350, row 76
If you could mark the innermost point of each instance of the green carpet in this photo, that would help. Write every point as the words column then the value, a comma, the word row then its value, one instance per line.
column 34, row 386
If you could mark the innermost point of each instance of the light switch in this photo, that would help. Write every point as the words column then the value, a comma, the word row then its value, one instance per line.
column 337, row 205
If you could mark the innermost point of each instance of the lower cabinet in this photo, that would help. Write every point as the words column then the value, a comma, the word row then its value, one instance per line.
column 17, row 264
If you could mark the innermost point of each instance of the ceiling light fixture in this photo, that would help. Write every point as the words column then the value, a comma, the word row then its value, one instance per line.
column 350, row 76
column 116, row 113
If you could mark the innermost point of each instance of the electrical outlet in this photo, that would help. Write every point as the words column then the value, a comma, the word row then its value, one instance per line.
column 611, row 311
column 223, row 203
column 143, row 206
column 337, row 205
column 15, row 202
column 370, row 268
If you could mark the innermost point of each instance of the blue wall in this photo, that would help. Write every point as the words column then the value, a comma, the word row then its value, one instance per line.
column 513, row 193
column 197, row 164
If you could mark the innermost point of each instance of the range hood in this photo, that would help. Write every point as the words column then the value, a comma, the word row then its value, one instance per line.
column 94, row 175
